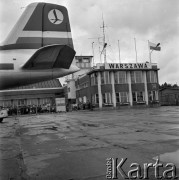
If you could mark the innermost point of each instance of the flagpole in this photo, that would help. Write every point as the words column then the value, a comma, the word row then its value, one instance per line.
column 149, row 53
column 135, row 49
column 119, row 52
column 93, row 53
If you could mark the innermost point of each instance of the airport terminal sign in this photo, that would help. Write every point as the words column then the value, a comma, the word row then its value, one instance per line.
column 127, row 66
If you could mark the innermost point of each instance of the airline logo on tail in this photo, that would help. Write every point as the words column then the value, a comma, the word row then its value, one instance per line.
column 55, row 16
column 40, row 25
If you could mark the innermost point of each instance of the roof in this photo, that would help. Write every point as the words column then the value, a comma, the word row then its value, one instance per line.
column 83, row 56
column 169, row 88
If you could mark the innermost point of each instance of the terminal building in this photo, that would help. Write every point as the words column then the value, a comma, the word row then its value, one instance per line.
column 116, row 85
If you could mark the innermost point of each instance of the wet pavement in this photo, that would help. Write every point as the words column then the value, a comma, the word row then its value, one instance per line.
column 75, row 145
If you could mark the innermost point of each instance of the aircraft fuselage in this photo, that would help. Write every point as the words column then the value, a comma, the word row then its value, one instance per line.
column 11, row 73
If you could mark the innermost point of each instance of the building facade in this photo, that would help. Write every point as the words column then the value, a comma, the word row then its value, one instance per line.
column 84, row 63
column 169, row 96
column 124, row 84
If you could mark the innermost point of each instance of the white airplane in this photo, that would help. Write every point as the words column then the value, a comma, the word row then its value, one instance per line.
column 38, row 48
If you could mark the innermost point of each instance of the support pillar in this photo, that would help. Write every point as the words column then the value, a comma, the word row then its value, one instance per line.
column 145, row 87
column 113, row 89
column 130, row 89
column 99, row 91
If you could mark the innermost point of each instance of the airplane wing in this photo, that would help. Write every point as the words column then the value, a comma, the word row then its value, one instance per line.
column 49, row 57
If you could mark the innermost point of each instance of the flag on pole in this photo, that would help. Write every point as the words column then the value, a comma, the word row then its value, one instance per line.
column 105, row 44
column 154, row 46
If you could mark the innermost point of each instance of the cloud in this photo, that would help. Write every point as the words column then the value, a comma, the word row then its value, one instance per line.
column 154, row 20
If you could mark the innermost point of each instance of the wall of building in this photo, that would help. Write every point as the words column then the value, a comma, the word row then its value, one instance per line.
column 169, row 96
column 142, row 89
column 36, row 94
column 29, row 97
column 71, row 91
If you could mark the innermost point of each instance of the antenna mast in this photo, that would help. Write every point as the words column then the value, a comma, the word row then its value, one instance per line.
column 104, row 39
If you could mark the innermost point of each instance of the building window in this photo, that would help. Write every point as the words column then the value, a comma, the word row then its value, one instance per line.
column 94, row 80
column 87, row 65
column 132, row 77
column 21, row 102
column 122, row 77
column 82, row 65
column 79, row 60
column 80, row 99
column 122, row 97
column 102, row 77
column 107, row 98
column 116, row 75
column 105, row 79
column 117, row 98
column 7, row 103
column 93, row 99
column 154, row 76
column 104, row 98
column 151, row 76
column 96, row 98
column 84, row 99
column 134, row 97
column 136, row 77
column 138, row 96
column 152, row 95
column 86, row 60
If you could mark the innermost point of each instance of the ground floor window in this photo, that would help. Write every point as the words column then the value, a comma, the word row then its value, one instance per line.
column 93, row 98
column 152, row 95
column 5, row 103
column 84, row 99
column 138, row 96
column 122, row 97
column 134, row 97
column 21, row 102
column 117, row 98
column 80, row 100
column 96, row 98
column 107, row 98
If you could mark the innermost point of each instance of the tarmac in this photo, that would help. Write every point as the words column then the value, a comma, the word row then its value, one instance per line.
column 77, row 145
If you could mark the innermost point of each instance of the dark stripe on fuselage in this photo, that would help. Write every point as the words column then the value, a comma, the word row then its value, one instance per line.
column 36, row 43
column 6, row 66
column 20, row 46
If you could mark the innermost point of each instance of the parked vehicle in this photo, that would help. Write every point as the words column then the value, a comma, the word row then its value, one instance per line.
column 3, row 114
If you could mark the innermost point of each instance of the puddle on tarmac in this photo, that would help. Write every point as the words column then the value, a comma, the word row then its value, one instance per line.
column 171, row 157
column 90, row 125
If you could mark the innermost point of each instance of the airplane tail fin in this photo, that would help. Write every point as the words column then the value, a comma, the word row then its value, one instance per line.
column 40, row 25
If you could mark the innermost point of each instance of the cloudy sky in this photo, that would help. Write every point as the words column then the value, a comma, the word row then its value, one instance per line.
column 153, row 20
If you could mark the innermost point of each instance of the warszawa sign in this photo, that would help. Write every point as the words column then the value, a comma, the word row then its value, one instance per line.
column 127, row 66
